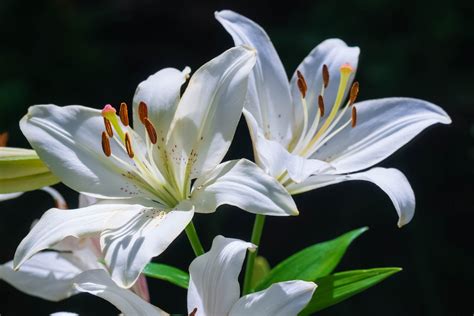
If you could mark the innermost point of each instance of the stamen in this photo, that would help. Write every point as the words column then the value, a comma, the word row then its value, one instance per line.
column 354, row 93
column 303, row 82
column 193, row 313
column 301, row 87
column 106, row 145
column 321, row 105
column 128, row 146
column 3, row 139
column 124, row 113
column 151, row 131
column 142, row 111
column 354, row 116
column 108, row 127
column 325, row 76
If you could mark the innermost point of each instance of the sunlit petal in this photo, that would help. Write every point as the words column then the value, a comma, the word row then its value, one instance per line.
column 243, row 184
column 214, row 285
column 280, row 299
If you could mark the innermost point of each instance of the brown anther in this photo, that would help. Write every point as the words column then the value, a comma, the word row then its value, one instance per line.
column 142, row 111
column 3, row 139
column 354, row 93
column 354, row 116
column 303, row 81
column 106, row 145
column 321, row 105
column 123, row 112
column 325, row 76
column 302, row 87
column 108, row 127
column 193, row 313
column 128, row 146
column 150, row 129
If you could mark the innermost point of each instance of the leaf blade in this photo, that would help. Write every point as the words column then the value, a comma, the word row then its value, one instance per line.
column 312, row 262
column 335, row 288
column 167, row 273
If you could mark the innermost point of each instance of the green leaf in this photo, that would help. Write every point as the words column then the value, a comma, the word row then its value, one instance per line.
column 168, row 273
column 22, row 170
column 338, row 287
column 260, row 270
column 313, row 262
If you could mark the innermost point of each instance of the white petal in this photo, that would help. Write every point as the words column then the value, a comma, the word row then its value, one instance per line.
column 268, row 97
column 280, row 299
column 63, row 314
column 383, row 126
column 131, row 242
column 68, row 140
column 392, row 181
column 243, row 184
column 98, row 283
column 57, row 224
column 47, row 275
column 213, row 284
column 275, row 159
column 10, row 196
column 86, row 200
column 332, row 53
column 209, row 112
column 160, row 92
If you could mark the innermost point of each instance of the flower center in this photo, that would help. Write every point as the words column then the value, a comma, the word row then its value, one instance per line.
column 147, row 166
column 315, row 134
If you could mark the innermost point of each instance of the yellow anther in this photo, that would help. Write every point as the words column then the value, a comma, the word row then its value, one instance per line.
column 325, row 76
column 106, row 145
column 354, row 117
column 124, row 114
column 302, row 86
column 151, row 131
column 142, row 111
column 128, row 146
column 108, row 127
column 321, row 105
column 354, row 93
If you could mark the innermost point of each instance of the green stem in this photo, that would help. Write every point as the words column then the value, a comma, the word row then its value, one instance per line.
column 194, row 239
column 256, row 236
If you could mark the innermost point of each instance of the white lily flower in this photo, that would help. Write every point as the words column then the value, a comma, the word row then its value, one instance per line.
column 307, row 136
column 148, row 170
column 213, row 288
column 51, row 274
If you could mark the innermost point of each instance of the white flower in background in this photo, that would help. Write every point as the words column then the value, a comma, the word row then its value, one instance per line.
column 51, row 274
column 306, row 135
column 213, row 288
column 148, row 170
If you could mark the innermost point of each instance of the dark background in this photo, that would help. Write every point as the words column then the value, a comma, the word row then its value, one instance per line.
column 75, row 52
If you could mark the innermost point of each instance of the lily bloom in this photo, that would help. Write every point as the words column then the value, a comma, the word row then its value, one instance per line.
column 309, row 132
column 50, row 275
column 213, row 288
column 146, row 173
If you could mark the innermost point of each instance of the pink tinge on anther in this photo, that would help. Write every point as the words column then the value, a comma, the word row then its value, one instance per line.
column 346, row 68
column 108, row 109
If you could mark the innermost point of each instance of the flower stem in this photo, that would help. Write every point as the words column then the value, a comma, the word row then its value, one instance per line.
column 194, row 239
column 256, row 236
